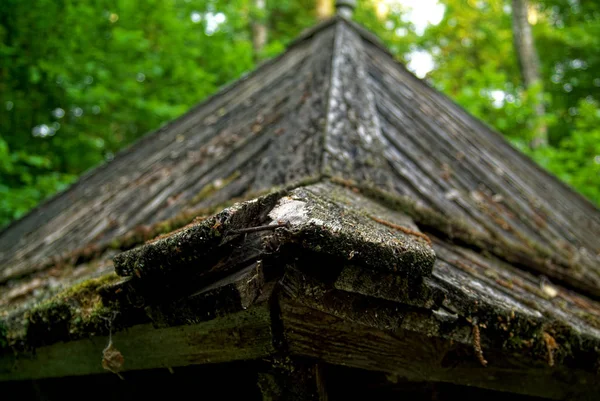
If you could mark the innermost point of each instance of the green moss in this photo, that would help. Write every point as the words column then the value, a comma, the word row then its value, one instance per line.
column 89, row 286
column 78, row 311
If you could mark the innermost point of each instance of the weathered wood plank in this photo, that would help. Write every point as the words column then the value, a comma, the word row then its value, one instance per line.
column 232, row 294
column 455, row 164
column 76, row 319
column 295, row 151
column 412, row 355
column 240, row 336
column 335, row 221
column 421, row 293
column 196, row 245
column 488, row 283
column 323, row 218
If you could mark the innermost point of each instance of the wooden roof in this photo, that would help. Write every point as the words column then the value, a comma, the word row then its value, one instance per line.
column 375, row 211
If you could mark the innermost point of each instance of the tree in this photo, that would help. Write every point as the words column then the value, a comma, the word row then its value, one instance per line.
column 259, row 28
column 530, row 65
column 79, row 81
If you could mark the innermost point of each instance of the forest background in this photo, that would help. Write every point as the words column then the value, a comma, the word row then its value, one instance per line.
column 80, row 80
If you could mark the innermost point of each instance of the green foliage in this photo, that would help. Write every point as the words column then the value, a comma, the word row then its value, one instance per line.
column 475, row 61
column 576, row 159
column 26, row 180
column 81, row 80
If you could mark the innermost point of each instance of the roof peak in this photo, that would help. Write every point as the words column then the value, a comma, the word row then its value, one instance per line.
column 345, row 8
column 334, row 104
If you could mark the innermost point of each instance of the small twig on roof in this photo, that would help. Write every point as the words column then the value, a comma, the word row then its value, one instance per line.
column 259, row 228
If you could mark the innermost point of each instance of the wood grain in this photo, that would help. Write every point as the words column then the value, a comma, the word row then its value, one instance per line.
column 414, row 356
column 239, row 336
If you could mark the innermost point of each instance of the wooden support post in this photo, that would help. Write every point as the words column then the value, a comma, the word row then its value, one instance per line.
column 293, row 380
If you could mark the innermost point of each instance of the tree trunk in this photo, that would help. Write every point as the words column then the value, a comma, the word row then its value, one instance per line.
column 324, row 9
column 259, row 28
column 529, row 64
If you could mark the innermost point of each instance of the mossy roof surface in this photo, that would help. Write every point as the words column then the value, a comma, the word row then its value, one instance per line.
column 358, row 160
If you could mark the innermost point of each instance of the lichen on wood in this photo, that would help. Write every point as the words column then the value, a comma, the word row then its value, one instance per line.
column 74, row 313
column 333, row 221
column 525, row 256
column 187, row 247
column 422, row 293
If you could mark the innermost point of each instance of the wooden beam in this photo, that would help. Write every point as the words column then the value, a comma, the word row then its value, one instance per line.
column 243, row 335
column 415, row 356
column 227, row 321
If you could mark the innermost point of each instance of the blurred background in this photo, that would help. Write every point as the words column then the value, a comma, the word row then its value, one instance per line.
column 80, row 80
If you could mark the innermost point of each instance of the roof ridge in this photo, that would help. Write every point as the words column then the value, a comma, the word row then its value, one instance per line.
column 353, row 135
